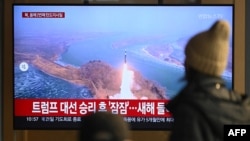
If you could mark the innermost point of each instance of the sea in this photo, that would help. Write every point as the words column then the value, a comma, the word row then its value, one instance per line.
column 111, row 50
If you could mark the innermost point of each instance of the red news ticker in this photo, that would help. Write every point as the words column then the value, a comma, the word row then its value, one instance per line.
column 76, row 107
column 43, row 14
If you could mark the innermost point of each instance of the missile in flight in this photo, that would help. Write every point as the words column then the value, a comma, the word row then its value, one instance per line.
column 125, row 56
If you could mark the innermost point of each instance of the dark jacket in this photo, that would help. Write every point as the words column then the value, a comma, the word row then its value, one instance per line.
column 203, row 107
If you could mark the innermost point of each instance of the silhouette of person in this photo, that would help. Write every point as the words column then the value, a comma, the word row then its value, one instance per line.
column 104, row 126
column 205, row 104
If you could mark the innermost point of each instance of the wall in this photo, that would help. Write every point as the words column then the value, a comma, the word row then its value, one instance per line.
column 247, row 48
column 44, row 135
column 1, row 47
column 247, row 51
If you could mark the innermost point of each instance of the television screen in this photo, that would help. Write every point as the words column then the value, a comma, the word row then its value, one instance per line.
column 74, row 60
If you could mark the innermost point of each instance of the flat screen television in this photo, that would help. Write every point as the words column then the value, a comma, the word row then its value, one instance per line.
column 74, row 60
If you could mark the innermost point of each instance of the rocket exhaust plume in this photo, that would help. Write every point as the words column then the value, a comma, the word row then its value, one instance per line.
column 127, row 82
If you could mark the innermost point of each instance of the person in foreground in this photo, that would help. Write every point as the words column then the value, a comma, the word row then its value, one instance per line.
column 104, row 126
column 205, row 105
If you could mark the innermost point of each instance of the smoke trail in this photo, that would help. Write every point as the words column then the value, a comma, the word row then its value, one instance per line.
column 126, row 84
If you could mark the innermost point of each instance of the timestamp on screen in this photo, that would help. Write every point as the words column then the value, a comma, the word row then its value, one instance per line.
column 32, row 118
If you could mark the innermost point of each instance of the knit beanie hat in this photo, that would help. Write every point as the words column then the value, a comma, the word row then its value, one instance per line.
column 104, row 126
column 207, row 52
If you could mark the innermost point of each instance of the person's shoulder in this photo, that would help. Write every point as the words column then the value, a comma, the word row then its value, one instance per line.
column 245, row 99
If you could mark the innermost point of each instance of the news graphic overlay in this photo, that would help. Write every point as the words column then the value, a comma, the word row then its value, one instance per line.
column 24, row 66
column 237, row 132
column 43, row 14
column 74, row 60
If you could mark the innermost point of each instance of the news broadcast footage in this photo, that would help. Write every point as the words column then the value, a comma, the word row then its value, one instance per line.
column 74, row 60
